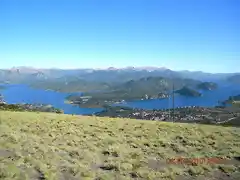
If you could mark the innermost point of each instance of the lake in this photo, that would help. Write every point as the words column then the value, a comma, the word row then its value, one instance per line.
column 24, row 94
column 208, row 98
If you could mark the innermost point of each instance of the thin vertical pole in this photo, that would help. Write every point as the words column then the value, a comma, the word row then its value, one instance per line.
column 169, row 105
column 173, row 101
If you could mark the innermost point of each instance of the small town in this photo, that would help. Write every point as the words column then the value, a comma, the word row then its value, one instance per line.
column 188, row 114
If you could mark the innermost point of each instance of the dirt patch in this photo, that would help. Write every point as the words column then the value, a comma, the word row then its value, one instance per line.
column 157, row 165
column 6, row 153
column 94, row 167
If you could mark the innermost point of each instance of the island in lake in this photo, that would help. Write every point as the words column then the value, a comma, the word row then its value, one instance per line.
column 186, row 91
column 141, row 89
column 207, row 86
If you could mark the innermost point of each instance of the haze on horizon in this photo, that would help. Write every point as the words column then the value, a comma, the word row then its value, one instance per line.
column 199, row 35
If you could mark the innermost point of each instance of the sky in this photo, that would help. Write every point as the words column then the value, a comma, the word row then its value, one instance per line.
column 178, row 34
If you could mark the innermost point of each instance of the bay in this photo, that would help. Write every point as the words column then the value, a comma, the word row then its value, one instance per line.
column 208, row 99
column 24, row 94
column 13, row 94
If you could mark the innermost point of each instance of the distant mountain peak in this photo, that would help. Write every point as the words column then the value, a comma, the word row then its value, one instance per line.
column 153, row 68
column 139, row 68
column 24, row 69
column 112, row 68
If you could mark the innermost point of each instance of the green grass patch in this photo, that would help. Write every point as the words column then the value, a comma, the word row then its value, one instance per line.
column 57, row 146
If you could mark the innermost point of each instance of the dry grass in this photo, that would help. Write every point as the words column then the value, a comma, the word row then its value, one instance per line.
column 64, row 147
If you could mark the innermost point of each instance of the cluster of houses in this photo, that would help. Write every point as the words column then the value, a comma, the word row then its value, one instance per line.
column 185, row 114
column 190, row 113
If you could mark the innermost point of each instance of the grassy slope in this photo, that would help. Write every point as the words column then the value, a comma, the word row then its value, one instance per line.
column 53, row 146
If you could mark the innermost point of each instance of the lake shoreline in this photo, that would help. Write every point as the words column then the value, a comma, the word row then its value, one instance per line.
column 24, row 94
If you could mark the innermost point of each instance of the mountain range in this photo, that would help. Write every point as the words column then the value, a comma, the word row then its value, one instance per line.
column 19, row 74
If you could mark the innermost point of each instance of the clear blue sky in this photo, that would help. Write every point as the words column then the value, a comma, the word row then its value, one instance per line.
column 178, row 34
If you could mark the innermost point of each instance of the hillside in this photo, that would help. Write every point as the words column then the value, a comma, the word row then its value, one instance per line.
column 233, row 100
column 53, row 146
column 69, row 84
column 156, row 84
column 229, row 116
column 185, row 91
column 28, row 107
column 143, row 88
column 207, row 86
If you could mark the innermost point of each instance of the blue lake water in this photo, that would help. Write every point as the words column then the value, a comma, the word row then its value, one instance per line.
column 24, row 94
column 208, row 99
